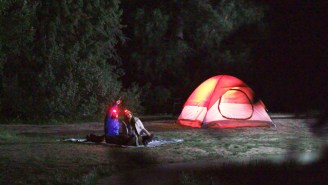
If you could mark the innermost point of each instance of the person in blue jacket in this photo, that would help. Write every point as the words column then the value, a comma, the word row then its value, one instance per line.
column 111, row 123
column 113, row 132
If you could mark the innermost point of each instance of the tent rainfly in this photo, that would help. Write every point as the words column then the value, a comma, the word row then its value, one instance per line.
column 224, row 101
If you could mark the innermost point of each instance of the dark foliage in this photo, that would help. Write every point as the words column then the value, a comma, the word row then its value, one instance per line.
column 175, row 45
column 64, row 59
column 58, row 58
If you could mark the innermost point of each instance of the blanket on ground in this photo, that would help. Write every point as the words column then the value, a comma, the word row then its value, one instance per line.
column 154, row 143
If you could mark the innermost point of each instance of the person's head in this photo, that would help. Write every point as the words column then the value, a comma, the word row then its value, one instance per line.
column 114, row 114
column 127, row 114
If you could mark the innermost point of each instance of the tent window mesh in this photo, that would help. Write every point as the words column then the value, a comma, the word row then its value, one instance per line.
column 235, row 104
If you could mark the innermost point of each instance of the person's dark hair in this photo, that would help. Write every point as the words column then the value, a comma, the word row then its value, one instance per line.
column 126, row 119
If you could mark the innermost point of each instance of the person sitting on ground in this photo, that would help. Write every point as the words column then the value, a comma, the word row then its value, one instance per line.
column 115, row 131
column 111, row 124
column 130, row 131
column 136, row 128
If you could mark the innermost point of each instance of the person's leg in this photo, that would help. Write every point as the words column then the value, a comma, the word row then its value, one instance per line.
column 132, row 141
column 147, row 139
column 95, row 138
column 112, row 140
column 140, row 140
column 123, row 139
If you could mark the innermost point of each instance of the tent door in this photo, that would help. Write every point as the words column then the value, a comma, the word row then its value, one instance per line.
column 235, row 104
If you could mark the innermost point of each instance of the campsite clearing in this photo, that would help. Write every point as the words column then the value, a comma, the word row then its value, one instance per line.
column 32, row 154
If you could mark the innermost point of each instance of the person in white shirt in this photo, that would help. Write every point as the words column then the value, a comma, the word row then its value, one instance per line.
column 135, row 127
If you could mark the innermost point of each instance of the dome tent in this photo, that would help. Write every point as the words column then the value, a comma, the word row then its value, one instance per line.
column 223, row 101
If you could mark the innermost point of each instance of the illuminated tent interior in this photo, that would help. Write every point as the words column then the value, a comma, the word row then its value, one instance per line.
column 223, row 101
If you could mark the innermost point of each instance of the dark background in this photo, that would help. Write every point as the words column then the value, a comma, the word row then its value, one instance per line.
column 287, row 66
column 296, row 55
column 69, row 61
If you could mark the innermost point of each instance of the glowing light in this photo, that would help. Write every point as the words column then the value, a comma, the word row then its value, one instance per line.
column 202, row 93
column 127, row 112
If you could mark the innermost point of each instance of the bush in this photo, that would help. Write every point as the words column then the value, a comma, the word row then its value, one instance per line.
column 59, row 58
column 132, row 99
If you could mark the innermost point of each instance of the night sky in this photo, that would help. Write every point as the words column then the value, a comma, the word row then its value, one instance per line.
column 292, row 63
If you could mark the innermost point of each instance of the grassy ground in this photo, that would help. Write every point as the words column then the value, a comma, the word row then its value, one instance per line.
column 32, row 154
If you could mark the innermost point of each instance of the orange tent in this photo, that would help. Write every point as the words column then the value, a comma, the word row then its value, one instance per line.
column 223, row 101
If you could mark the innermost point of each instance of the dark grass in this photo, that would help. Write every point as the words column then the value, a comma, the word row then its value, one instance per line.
column 32, row 154
column 261, row 172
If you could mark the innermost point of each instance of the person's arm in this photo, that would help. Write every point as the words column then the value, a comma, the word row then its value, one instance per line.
column 142, row 127
column 146, row 131
column 123, row 128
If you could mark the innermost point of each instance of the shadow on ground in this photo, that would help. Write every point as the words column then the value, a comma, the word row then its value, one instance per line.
column 215, row 173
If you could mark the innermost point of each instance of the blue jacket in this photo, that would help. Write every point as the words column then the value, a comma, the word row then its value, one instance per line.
column 111, row 125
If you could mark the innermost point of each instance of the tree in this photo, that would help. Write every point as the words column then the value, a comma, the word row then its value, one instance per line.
column 175, row 45
column 59, row 57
